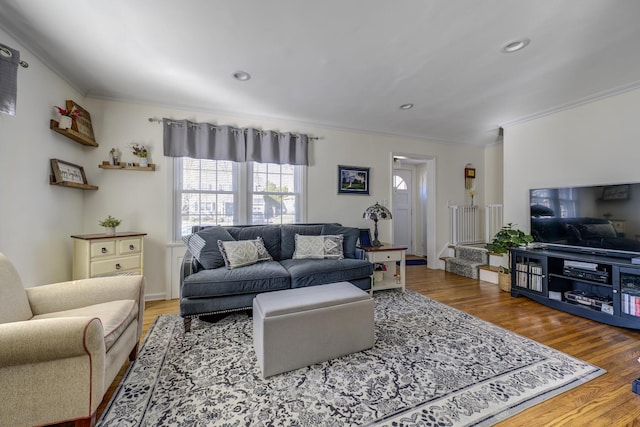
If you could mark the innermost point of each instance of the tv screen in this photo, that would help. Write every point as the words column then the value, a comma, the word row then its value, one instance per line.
column 598, row 219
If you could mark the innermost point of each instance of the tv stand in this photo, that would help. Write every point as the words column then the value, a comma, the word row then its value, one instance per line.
column 604, row 288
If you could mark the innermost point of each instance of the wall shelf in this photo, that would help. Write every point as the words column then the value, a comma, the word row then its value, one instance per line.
column 52, row 181
column 123, row 166
column 72, row 134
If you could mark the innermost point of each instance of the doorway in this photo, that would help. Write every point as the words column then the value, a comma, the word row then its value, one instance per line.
column 418, row 219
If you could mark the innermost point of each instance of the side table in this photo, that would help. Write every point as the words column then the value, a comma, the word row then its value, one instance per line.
column 393, row 277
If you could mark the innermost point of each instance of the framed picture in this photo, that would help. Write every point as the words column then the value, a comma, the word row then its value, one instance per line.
column 616, row 192
column 82, row 124
column 67, row 172
column 353, row 180
column 365, row 237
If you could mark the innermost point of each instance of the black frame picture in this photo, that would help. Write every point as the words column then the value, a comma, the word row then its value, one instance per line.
column 364, row 239
column 353, row 180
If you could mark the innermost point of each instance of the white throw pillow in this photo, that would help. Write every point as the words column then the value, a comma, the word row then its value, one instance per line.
column 243, row 252
column 318, row 247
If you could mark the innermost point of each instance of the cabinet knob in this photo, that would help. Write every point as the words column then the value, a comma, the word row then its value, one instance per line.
column 118, row 267
column 104, row 250
column 131, row 247
column 615, row 291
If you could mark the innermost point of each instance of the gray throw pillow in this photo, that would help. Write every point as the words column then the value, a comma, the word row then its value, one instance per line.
column 289, row 231
column 350, row 240
column 318, row 247
column 203, row 245
column 243, row 252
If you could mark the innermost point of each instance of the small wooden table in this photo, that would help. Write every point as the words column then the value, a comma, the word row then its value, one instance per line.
column 387, row 254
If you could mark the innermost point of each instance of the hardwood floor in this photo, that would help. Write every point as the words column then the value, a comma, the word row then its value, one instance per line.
column 605, row 401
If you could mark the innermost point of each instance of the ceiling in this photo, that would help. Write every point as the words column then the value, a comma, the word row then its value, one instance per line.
column 348, row 64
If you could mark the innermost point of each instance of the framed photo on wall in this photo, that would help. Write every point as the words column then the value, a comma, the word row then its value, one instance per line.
column 67, row 172
column 82, row 124
column 353, row 180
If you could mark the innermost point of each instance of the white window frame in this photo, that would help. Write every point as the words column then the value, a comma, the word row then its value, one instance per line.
column 242, row 189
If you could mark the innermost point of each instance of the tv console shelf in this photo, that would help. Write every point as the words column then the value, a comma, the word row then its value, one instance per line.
column 598, row 287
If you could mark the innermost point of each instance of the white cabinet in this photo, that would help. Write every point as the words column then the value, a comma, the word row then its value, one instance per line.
column 96, row 255
column 394, row 275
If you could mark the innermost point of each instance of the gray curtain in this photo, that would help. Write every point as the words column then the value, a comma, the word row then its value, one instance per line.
column 9, row 60
column 273, row 147
column 205, row 141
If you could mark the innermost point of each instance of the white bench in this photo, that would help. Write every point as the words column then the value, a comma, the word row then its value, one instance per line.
column 294, row 328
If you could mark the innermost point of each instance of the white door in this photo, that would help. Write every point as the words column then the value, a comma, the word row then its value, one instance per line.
column 401, row 210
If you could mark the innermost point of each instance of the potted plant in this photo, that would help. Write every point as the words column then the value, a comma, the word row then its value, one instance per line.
column 141, row 152
column 67, row 117
column 110, row 223
column 508, row 237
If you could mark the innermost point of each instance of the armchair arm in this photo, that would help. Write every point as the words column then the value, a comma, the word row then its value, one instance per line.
column 51, row 369
column 81, row 293
column 361, row 254
column 34, row 341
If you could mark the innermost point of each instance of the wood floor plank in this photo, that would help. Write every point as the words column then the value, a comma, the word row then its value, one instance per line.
column 604, row 401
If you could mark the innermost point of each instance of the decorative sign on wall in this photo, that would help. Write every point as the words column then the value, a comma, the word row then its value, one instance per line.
column 82, row 124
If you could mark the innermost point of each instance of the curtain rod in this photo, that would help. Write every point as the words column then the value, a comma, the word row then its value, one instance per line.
column 155, row 120
column 9, row 54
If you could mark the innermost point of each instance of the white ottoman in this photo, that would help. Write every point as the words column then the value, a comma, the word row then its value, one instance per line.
column 298, row 327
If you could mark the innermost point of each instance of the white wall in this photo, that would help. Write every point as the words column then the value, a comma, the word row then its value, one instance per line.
column 143, row 199
column 592, row 144
column 36, row 219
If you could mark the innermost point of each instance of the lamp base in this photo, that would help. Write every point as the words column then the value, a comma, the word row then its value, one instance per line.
column 376, row 242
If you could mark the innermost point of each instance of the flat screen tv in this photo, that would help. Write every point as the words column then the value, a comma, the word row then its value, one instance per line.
column 602, row 219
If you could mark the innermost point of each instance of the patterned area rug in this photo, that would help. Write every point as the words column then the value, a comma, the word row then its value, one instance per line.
column 432, row 365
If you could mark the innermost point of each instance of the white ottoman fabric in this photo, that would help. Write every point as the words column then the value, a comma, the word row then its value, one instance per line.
column 294, row 328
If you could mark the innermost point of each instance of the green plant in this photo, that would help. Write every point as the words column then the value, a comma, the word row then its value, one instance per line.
column 110, row 222
column 508, row 237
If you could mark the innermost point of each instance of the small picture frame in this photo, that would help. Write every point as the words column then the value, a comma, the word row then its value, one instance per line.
column 616, row 192
column 353, row 180
column 82, row 124
column 67, row 172
column 364, row 239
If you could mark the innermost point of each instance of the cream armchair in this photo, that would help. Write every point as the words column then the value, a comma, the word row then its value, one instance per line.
column 62, row 345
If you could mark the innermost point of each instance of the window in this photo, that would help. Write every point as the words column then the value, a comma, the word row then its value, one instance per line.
column 210, row 192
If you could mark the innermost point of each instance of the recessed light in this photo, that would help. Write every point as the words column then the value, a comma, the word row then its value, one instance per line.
column 515, row 45
column 406, row 106
column 243, row 76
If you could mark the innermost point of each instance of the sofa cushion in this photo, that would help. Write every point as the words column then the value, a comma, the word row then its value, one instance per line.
column 260, row 277
column 350, row 240
column 14, row 305
column 115, row 316
column 288, row 237
column 243, row 252
column 309, row 272
column 203, row 245
column 270, row 236
column 318, row 247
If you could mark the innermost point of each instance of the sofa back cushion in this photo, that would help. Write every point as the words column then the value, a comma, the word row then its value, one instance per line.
column 349, row 241
column 203, row 245
column 14, row 305
column 288, row 237
column 270, row 235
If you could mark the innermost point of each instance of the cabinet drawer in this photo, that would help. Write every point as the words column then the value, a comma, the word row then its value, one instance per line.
column 386, row 256
column 130, row 246
column 101, row 249
column 111, row 266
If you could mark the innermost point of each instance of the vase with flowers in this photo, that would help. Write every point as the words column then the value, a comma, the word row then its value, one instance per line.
column 141, row 152
column 67, row 117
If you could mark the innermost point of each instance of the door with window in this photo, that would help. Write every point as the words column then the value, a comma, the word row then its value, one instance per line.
column 402, row 208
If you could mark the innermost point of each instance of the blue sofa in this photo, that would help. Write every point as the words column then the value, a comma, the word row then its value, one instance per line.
column 208, row 286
